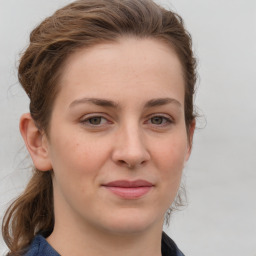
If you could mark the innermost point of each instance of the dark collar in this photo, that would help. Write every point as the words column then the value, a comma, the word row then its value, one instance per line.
column 169, row 248
column 40, row 247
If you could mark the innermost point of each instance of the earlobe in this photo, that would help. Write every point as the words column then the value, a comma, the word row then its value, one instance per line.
column 36, row 143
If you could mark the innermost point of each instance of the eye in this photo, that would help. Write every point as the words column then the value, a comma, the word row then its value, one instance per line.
column 97, row 120
column 159, row 121
column 94, row 121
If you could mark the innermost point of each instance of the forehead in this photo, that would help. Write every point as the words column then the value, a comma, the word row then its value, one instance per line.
column 131, row 65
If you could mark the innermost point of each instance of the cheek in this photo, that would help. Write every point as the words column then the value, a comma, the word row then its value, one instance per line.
column 170, row 157
column 76, row 164
column 77, row 154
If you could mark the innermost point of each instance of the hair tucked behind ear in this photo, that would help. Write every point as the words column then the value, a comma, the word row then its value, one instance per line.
column 31, row 213
column 82, row 24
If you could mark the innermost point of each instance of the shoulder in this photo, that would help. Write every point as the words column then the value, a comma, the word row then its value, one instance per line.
column 169, row 248
column 40, row 247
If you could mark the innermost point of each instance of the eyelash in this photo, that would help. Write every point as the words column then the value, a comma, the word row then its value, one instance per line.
column 167, row 121
column 88, row 121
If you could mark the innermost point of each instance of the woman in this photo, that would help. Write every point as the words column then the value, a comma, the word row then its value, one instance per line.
column 110, row 127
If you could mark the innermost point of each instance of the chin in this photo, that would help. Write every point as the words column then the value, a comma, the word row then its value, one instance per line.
column 129, row 223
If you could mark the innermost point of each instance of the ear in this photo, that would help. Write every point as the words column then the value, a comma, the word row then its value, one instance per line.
column 190, row 138
column 36, row 143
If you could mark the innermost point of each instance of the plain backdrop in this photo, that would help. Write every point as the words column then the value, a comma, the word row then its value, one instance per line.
column 220, row 218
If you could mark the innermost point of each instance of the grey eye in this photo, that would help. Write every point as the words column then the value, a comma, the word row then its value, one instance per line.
column 95, row 120
column 157, row 120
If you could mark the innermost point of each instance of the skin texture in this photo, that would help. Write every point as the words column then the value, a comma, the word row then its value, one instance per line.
column 119, row 116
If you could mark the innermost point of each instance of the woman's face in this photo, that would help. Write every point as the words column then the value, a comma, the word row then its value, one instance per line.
column 117, row 138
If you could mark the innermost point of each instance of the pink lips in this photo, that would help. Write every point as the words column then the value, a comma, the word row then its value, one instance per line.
column 129, row 189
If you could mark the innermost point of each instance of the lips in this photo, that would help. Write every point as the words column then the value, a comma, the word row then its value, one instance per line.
column 129, row 189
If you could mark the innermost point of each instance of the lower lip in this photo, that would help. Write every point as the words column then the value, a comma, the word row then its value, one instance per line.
column 129, row 193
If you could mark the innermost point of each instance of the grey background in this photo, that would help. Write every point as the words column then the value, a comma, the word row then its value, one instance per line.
column 220, row 177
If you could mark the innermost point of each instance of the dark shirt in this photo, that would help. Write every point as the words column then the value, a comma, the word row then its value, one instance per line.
column 169, row 248
column 40, row 247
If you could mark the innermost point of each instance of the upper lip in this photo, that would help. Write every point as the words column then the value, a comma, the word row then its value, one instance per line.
column 129, row 184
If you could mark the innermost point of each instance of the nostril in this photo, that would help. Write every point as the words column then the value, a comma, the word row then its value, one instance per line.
column 130, row 165
column 126, row 164
column 122, row 162
column 143, row 162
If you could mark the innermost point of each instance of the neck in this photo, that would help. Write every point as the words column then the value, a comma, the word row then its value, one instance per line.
column 90, row 241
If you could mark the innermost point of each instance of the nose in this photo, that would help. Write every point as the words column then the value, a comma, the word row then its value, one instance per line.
column 130, row 149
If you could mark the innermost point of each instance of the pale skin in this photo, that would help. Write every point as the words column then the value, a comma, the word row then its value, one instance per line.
column 119, row 115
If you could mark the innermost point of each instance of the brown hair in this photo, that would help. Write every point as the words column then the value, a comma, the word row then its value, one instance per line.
column 83, row 23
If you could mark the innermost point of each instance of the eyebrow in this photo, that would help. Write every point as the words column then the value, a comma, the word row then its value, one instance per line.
column 161, row 102
column 112, row 104
column 95, row 101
